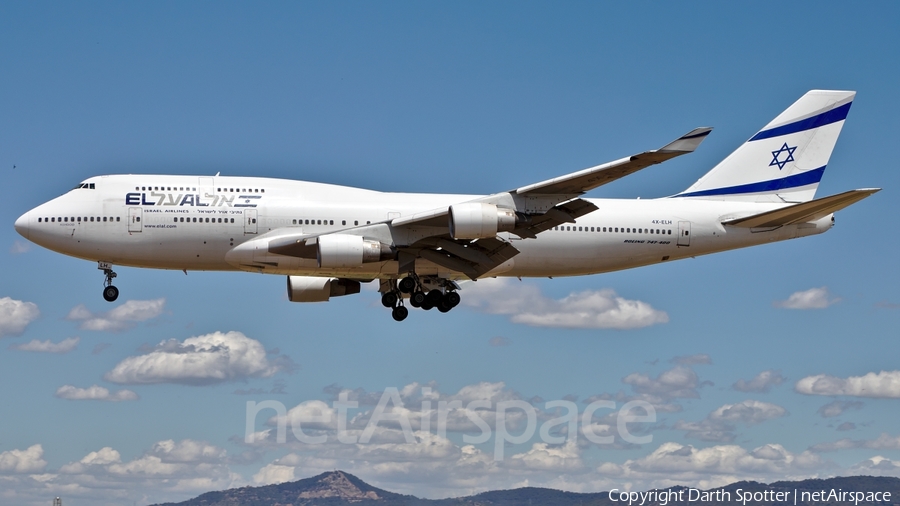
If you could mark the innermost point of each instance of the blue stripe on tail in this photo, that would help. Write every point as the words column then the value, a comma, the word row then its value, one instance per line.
column 802, row 179
column 826, row 118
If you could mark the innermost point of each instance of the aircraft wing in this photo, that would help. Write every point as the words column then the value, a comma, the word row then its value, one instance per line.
column 569, row 186
column 588, row 179
column 803, row 212
column 537, row 207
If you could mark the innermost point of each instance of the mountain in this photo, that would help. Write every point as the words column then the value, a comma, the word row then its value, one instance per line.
column 338, row 488
column 327, row 489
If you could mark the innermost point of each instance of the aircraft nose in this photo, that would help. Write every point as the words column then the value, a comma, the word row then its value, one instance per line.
column 23, row 225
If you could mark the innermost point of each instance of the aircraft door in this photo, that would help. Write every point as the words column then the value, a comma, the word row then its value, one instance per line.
column 684, row 233
column 250, row 225
column 134, row 219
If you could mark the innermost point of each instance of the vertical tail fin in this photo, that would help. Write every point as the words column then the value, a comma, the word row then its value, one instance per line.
column 784, row 161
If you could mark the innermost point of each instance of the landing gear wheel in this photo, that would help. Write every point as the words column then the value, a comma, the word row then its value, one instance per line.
column 389, row 299
column 407, row 284
column 443, row 306
column 110, row 293
column 434, row 297
column 451, row 299
column 417, row 299
column 400, row 313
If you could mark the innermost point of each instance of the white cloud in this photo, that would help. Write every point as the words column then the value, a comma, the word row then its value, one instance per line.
column 29, row 460
column 720, row 424
column 122, row 317
column 274, row 473
column 877, row 466
column 550, row 458
column 94, row 393
column 884, row 384
column 200, row 360
column 749, row 412
column 697, row 359
column 675, row 464
column 598, row 309
column 883, row 442
column 20, row 247
column 837, row 408
column 15, row 315
column 814, row 298
column 678, row 382
column 64, row 346
column 169, row 471
column 762, row 382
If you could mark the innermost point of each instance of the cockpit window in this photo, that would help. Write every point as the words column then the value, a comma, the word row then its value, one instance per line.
column 90, row 186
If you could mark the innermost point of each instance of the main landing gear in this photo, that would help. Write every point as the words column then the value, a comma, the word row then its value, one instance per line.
column 110, row 293
column 433, row 293
column 393, row 300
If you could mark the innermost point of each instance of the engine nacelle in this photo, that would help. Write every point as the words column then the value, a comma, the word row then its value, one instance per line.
column 474, row 220
column 314, row 289
column 342, row 250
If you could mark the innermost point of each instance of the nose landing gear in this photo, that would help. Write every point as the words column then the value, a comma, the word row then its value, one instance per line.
column 110, row 292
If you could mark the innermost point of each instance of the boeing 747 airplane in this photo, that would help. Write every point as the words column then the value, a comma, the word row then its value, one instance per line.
column 328, row 239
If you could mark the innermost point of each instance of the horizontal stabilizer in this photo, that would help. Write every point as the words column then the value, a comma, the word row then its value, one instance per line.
column 804, row 212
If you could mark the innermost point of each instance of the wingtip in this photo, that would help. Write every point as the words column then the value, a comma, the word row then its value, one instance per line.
column 687, row 142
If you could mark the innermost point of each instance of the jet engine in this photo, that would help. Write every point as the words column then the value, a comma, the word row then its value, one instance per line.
column 474, row 220
column 341, row 250
column 315, row 289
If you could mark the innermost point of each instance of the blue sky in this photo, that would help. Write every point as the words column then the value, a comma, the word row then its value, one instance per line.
column 442, row 97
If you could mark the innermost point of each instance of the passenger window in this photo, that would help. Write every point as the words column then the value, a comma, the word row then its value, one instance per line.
column 343, row 222
column 176, row 219
column 355, row 222
column 319, row 222
column 118, row 218
column 232, row 220
column 39, row 220
column 331, row 222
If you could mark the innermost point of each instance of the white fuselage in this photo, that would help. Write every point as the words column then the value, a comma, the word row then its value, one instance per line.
column 198, row 223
